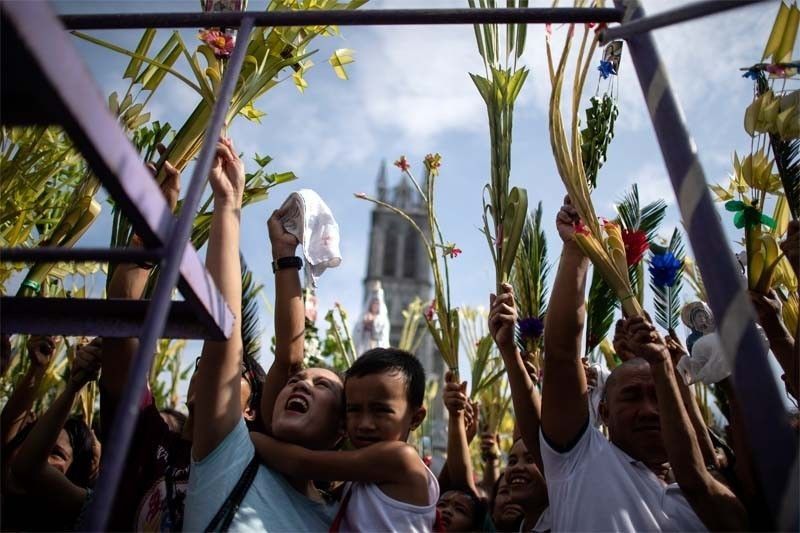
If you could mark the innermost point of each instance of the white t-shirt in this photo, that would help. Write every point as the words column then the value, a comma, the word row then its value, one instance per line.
column 369, row 509
column 595, row 486
column 271, row 504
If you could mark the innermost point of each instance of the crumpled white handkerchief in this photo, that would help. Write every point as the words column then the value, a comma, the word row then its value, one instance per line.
column 310, row 219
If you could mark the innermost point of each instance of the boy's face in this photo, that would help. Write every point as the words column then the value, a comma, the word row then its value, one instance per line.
column 377, row 409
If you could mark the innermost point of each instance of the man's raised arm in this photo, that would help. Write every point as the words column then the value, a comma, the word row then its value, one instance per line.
column 565, row 409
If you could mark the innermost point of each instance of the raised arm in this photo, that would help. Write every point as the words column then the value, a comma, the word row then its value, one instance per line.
column 218, row 379
column 781, row 341
column 289, row 319
column 565, row 410
column 19, row 404
column 714, row 503
column 524, row 394
column 676, row 351
column 30, row 468
column 459, row 463
column 128, row 282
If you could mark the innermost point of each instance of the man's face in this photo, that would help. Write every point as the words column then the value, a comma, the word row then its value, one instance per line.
column 377, row 409
column 506, row 514
column 308, row 409
column 456, row 510
column 524, row 479
column 630, row 411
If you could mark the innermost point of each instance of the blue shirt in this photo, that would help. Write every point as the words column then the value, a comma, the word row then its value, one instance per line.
column 271, row 504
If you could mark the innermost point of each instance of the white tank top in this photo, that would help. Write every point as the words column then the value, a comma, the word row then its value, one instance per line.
column 369, row 509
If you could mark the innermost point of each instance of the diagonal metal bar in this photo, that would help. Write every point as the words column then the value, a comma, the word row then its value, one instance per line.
column 128, row 411
column 673, row 16
column 58, row 254
column 361, row 17
column 772, row 440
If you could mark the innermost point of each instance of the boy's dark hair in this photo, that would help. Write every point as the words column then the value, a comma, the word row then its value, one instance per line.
column 379, row 360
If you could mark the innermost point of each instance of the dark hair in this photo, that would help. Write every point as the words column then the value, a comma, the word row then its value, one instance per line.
column 479, row 509
column 380, row 360
column 82, row 442
column 636, row 362
column 254, row 375
column 178, row 418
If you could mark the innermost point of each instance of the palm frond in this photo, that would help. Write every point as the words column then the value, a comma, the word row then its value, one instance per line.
column 787, row 159
column 666, row 299
column 600, row 310
column 251, row 328
column 531, row 268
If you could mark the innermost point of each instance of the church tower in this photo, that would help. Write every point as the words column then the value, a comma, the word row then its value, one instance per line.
column 397, row 259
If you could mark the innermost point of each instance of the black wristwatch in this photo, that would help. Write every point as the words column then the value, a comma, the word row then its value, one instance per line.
column 287, row 262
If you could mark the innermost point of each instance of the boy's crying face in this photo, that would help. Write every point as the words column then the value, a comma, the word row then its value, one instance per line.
column 377, row 408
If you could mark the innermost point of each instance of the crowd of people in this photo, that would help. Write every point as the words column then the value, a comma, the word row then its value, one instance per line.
column 307, row 449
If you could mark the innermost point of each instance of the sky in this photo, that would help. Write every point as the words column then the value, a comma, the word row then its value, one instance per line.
column 409, row 93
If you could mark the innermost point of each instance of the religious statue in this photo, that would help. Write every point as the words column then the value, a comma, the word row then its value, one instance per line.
column 372, row 328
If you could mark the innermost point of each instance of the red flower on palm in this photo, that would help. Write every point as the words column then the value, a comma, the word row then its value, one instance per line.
column 402, row 163
column 635, row 245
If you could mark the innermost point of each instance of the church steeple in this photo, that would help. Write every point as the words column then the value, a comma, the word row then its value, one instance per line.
column 382, row 181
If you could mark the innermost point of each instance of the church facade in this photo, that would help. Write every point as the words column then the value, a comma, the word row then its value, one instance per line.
column 397, row 259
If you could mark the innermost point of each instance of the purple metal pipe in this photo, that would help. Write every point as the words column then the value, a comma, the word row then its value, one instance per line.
column 341, row 17
column 128, row 412
column 771, row 438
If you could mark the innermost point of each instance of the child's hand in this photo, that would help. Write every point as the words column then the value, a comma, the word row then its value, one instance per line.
column 227, row 176
column 503, row 320
column 86, row 365
column 454, row 395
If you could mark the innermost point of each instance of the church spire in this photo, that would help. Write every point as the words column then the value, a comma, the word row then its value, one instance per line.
column 382, row 181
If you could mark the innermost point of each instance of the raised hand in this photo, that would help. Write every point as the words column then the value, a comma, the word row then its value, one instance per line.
column 41, row 350
column 490, row 446
column 227, row 176
column 645, row 341
column 86, row 365
column 566, row 219
column 283, row 243
column 622, row 345
column 503, row 319
column 791, row 245
column 675, row 347
column 454, row 394
column 471, row 419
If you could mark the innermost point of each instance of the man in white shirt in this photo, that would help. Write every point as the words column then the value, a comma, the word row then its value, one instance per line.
column 624, row 484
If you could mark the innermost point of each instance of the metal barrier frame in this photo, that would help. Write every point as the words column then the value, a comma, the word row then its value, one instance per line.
column 773, row 442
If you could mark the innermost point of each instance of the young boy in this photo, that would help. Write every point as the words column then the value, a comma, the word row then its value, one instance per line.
column 390, row 488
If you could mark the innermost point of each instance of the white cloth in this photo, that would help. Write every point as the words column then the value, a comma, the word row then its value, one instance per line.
column 370, row 509
column 707, row 363
column 596, row 394
column 310, row 220
column 595, row 486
